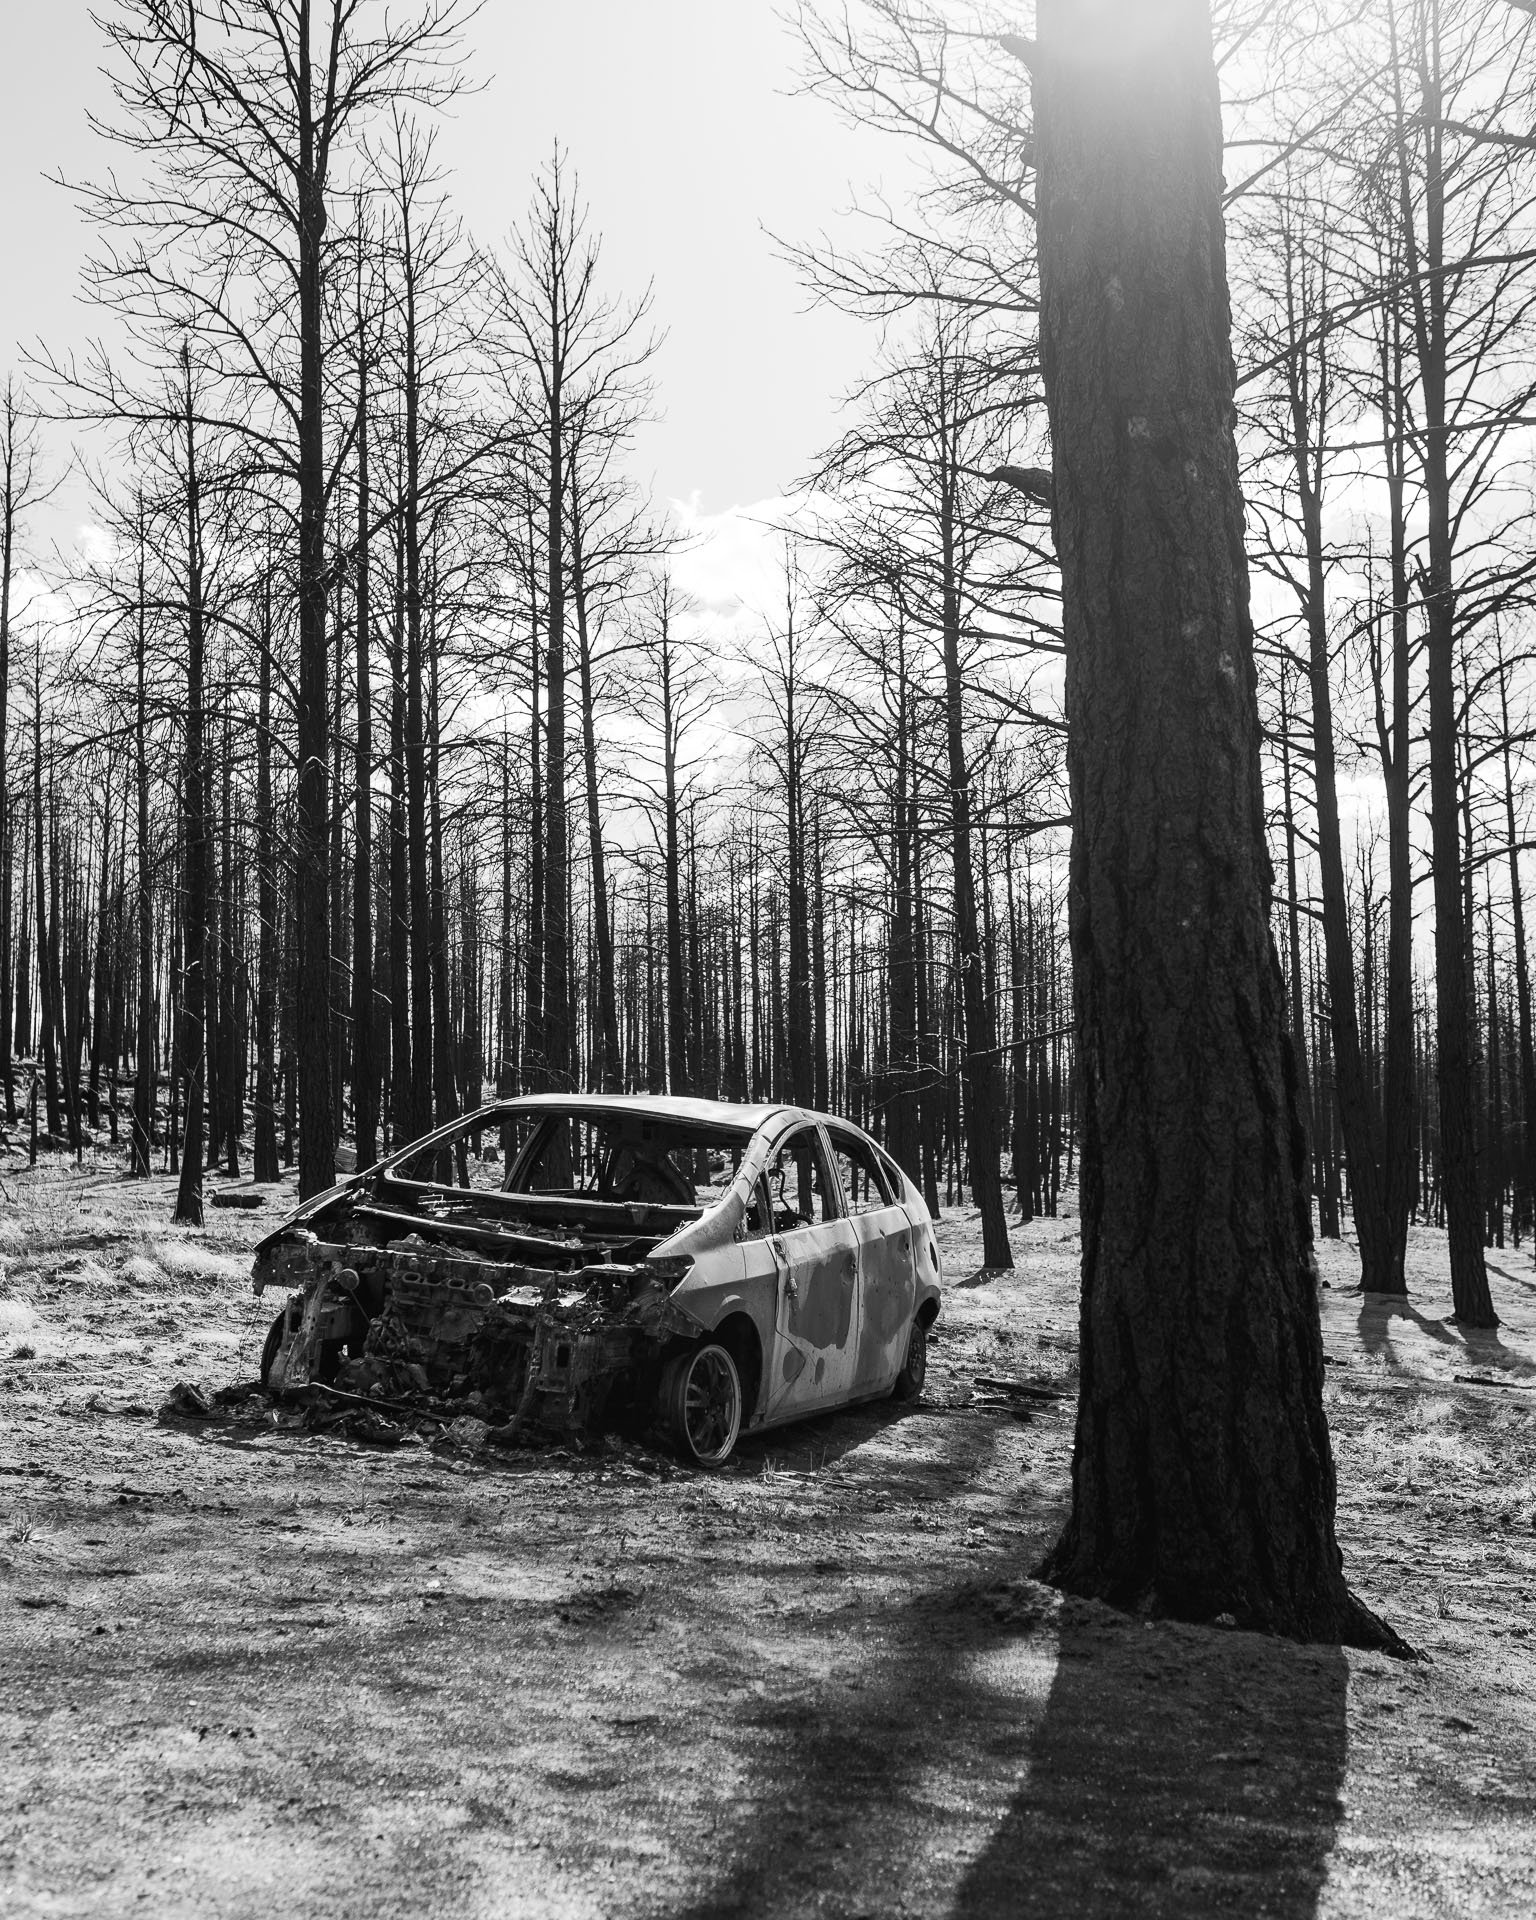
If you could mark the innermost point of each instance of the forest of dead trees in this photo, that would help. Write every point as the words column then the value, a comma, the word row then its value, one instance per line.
column 372, row 756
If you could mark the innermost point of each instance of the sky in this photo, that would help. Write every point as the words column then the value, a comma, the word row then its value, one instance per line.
column 692, row 148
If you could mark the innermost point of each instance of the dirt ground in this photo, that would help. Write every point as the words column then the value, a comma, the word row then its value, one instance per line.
column 247, row 1671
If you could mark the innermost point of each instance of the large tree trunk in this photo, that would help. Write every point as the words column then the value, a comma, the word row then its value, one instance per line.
column 1203, row 1480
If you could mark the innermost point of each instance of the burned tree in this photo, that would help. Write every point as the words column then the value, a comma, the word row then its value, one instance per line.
column 1203, row 1478
column 242, row 117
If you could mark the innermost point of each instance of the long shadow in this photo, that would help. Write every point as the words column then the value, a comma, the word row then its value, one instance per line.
column 1175, row 1771
column 1172, row 1771
column 1481, row 1346
column 1379, row 1310
column 824, row 1439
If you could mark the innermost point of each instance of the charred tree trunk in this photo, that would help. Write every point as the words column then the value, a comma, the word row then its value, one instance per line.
column 978, row 1065
column 606, row 1074
column 401, row 1083
column 1398, row 1087
column 443, row 1076
column 1359, row 1120
column 1304, row 1093
column 197, row 853
column 901, row 1046
column 365, row 1071
column 144, row 1041
column 1455, row 1045
column 1526, row 1048
column 48, row 989
column 1199, row 1315
column 556, row 902
column 672, row 860
column 416, row 841
column 264, row 1143
column 312, row 851
column 8, row 503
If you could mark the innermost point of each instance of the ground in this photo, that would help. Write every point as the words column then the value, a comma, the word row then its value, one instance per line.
column 253, row 1671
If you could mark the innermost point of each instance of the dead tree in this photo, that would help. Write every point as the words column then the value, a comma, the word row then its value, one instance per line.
column 243, row 120
column 21, row 489
column 571, row 344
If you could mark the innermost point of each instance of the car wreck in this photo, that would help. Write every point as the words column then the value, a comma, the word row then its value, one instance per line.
column 574, row 1263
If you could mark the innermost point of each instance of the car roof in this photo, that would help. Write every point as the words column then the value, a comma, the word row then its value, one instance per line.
column 711, row 1113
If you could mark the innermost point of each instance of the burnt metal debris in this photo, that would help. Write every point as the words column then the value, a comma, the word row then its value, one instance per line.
column 410, row 1328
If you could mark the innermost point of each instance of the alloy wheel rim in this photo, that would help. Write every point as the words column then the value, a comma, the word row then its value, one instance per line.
column 709, row 1405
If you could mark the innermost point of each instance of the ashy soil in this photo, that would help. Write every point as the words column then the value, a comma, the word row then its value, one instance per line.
column 249, row 1670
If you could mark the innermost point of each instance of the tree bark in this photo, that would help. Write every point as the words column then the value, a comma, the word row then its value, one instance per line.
column 1203, row 1480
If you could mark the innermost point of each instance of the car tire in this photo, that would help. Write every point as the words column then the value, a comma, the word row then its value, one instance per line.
column 271, row 1345
column 701, row 1400
column 914, row 1369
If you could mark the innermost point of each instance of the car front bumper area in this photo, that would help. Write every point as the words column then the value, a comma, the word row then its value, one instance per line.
column 412, row 1327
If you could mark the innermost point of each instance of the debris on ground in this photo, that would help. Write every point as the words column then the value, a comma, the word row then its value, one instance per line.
column 186, row 1402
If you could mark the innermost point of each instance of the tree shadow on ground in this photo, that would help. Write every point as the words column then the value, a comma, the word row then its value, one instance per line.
column 1484, row 1346
column 1481, row 1346
column 1176, row 1770
column 1379, row 1310
column 1004, row 1754
column 822, row 1439
column 1525, row 1280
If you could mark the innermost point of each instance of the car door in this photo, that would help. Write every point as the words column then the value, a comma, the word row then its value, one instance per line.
column 815, row 1260
column 887, row 1275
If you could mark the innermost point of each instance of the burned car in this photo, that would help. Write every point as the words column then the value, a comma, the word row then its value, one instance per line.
column 578, row 1262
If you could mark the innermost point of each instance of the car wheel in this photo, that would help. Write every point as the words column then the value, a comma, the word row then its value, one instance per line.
column 701, row 1396
column 914, row 1369
column 270, row 1346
